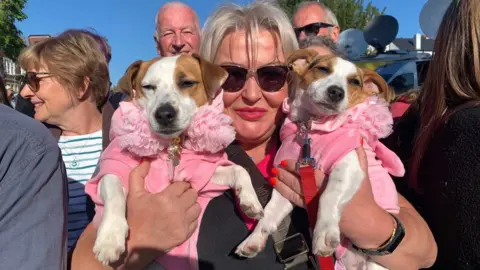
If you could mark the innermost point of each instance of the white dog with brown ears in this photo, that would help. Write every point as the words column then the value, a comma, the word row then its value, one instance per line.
column 340, row 113
column 176, row 119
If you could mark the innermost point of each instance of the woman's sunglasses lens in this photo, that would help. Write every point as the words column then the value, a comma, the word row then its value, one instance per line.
column 31, row 80
column 272, row 79
column 237, row 77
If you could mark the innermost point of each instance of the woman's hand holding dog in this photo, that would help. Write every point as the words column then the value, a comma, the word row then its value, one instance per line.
column 367, row 225
column 360, row 214
column 158, row 222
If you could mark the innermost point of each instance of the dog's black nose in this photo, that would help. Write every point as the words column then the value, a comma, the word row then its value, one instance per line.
column 335, row 93
column 165, row 115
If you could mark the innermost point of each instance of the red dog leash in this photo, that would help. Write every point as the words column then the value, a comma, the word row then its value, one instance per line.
column 306, row 167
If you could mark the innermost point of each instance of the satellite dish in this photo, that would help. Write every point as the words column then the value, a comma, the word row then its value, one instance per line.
column 381, row 31
column 352, row 43
column 431, row 16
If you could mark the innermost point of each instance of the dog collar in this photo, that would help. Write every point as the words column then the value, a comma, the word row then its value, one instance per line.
column 174, row 151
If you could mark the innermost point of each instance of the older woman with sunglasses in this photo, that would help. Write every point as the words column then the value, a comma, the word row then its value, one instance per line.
column 67, row 80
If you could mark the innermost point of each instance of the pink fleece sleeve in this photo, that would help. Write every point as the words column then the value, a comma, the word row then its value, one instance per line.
column 112, row 161
column 337, row 146
column 390, row 160
column 289, row 149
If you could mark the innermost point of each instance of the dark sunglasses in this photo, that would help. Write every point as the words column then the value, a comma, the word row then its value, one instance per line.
column 32, row 80
column 312, row 29
column 269, row 78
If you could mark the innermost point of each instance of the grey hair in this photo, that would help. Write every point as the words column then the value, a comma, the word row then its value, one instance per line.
column 320, row 41
column 175, row 4
column 329, row 15
column 251, row 18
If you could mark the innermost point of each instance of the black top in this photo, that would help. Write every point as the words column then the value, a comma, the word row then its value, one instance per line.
column 450, row 178
column 222, row 229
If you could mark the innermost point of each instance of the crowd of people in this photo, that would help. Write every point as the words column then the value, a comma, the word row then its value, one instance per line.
column 46, row 216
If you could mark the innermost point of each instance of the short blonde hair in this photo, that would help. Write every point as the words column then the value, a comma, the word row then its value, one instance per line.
column 71, row 57
column 259, row 15
column 101, row 40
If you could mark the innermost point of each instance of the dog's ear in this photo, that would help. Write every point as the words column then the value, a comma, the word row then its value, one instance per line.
column 300, row 60
column 127, row 83
column 213, row 76
column 374, row 84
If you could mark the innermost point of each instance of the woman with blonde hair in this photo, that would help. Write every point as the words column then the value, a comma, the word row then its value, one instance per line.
column 438, row 138
column 252, row 44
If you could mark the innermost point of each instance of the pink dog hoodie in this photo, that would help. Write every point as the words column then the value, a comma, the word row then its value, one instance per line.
column 209, row 133
column 335, row 136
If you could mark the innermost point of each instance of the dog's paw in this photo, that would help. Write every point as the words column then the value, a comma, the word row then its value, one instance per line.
column 249, row 203
column 110, row 242
column 251, row 246
column 326, row 238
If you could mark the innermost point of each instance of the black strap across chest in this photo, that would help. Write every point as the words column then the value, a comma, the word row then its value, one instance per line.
column 292, row 241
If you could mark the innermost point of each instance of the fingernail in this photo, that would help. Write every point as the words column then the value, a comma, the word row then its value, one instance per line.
column 272, row 181
column 274, row 171
column 284, row 163
column 361, row 141
column 142, row 159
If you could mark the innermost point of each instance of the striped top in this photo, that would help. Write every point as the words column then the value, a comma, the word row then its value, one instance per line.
column 80, row 154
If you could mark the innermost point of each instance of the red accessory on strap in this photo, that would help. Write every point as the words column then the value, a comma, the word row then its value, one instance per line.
column 306, row 167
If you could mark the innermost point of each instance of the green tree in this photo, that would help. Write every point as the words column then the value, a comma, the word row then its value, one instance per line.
column 11, row 41
column 349, row 13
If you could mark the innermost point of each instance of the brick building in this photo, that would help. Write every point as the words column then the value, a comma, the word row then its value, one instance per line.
column 12, row 73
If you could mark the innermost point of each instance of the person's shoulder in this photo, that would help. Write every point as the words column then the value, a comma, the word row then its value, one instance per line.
column 465, row 123
column 20, row 130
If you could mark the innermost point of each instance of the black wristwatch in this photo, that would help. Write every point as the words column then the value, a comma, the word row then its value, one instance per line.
column 390, row 245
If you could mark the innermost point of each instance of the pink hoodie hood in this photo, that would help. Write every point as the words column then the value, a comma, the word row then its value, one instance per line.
column 209, row 131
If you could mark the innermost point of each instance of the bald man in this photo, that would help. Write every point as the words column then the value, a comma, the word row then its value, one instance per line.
column 177, row 30
column 315, row 19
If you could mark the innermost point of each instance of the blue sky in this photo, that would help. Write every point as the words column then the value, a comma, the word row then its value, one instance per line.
column 129, row 25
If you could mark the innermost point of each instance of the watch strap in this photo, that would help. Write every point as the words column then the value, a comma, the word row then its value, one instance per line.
column 390, row 245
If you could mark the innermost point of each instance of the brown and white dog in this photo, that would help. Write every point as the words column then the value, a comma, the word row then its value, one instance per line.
column 341, row 107
column 169, row 93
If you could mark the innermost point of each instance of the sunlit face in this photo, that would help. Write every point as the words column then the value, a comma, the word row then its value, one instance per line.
column 178, row 32
column 255, row 113
column 52, row 101
column 314, row 14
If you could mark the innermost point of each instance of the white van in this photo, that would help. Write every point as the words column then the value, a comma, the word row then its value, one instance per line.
column 405, row 75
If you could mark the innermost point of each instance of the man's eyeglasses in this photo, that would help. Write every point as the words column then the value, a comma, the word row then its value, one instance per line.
column 33, row 81
column 312, row 29
column 269, row 78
